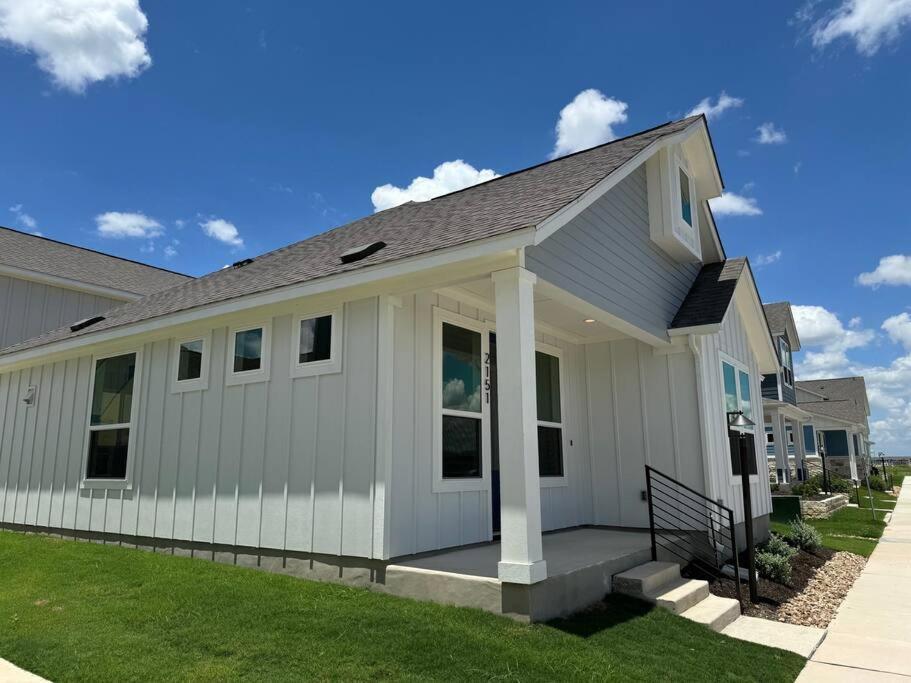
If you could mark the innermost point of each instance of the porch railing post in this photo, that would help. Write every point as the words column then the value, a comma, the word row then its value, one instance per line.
column 651, row 511
column 736, row 558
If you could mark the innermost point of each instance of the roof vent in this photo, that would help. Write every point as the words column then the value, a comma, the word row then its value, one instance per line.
column 86, row 322
column 242, row 263
column 361, row 252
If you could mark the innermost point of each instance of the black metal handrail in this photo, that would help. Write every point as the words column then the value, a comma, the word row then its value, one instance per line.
column 691, row 526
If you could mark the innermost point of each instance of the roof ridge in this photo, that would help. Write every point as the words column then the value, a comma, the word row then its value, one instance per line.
column 94, row 251
column 570, row 155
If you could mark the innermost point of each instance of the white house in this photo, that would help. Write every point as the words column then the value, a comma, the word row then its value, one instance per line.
column 45, row 284
column 486, row 366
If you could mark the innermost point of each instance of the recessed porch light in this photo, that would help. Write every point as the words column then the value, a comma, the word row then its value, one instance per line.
column 589, row 320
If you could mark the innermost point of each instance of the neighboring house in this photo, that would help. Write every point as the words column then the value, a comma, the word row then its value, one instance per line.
column 45, row 284
column 496, row 362
column 840, row 411
column 788, row 435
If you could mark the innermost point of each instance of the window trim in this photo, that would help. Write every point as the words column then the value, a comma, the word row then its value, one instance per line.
column 561, row 480
column 127, row 482
column 739, row 366
column 482, row 483
column 248, row 376
column 201, row 383
column 318, row 367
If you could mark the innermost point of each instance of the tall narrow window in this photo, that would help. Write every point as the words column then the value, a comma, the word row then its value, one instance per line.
column 809, row 439
column 110, row 419
column 738, row 396
column 550, row 417
column 787, row 362
column 461, row 388
column 686, row 205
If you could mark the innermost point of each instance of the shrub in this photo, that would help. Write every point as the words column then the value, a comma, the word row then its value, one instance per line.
column 806, row 489
column 775, row 487
column 773, row 567
column 877, row 483
column 804, row 536
column 776, row 545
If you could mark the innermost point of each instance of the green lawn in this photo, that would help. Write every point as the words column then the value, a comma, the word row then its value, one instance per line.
column 898, row 473
column 82, row 611
column 850, row 529
column 880, row 499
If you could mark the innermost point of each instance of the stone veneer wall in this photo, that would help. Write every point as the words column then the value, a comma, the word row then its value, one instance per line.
column 818, row 509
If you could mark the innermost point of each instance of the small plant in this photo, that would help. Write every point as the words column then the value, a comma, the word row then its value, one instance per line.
column 773, row 567
column 776, row 545
column 877, row 483
column 806, row 489
column 775, row 487
column 803, row 535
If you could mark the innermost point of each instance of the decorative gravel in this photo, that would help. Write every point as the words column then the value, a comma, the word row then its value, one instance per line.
column 817, row 603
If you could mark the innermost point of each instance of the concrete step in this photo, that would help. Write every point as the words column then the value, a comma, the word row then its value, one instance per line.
column 714, row 611
column 646, row 578
column 679, row 595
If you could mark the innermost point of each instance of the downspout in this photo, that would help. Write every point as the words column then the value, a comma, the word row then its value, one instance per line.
column 703, row 423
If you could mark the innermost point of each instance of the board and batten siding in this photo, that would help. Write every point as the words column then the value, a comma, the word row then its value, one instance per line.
column 605, row 256
column 732, row 341
column 643, row 412
column 421, row 520
column 285, row 464
column 29, row 308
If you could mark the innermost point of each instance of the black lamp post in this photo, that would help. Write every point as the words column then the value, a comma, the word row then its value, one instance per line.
column 736, row 419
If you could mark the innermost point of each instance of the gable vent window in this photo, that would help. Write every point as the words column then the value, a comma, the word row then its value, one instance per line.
column 686, row 204
column 361, row 252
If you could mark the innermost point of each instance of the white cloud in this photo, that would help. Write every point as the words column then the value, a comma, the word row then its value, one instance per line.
column 768, row 134
column 713, row 111
column 588, row 121
column 24, row 219
column 871, row 24
column 118, row 224
column 732, row 204
column 768, row 259
column 797, row 167
column 223, row 231
column 898, row 327
column 79, row 42
column 892, row 270
column 170, row 251
column 447, row 177
column 818, row 326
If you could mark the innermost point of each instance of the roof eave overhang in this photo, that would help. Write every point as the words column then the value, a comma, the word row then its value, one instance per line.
column 746, row 296
column 788, row 409
column 68, row 283
column 711, row 328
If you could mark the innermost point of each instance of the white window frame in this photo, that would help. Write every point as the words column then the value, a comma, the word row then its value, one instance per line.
column 785, row 369
column 127, row 482
column 562, row 480
column 740, row 367
column 201, row 383
column 482, row 483
column 318, row 367
column 248, row 376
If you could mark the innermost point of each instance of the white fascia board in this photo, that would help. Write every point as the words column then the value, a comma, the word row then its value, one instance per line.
column 746, row 297
column 694, row 329
column 453, row 257
column 788, row 409
column 68, row 283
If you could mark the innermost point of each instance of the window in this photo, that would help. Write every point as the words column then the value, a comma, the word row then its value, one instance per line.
column 738, row 396
column 550, row 415
column 686, row 206
column 787, row 363
column 769, row 436
column 248, row 354
column 110, row 418
column 316, row 338
column 809, row 439
column 191, row 363
column 461, row 400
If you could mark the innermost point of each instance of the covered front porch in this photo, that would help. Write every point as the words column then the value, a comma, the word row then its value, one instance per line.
column 580, row 565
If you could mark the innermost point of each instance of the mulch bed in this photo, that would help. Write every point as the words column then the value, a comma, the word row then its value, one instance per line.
column 804, row 566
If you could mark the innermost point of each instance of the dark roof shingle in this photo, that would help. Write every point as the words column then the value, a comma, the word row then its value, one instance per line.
column 710, row 294
column 777, row 314
column 846, row 397
column 49, row 257
column 512, row 202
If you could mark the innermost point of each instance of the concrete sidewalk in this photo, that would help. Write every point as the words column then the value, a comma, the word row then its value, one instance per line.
column 10, row 673
column 870, row 638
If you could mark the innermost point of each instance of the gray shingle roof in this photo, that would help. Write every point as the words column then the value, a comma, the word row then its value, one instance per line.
column 777, row 314
column 847, row 398
column 49, row 257
column 512, row 202
column 710, row 294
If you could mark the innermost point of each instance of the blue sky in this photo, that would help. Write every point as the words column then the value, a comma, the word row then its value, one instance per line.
column 212, row 133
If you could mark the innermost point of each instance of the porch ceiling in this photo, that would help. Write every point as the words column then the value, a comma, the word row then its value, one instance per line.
column 548, row 311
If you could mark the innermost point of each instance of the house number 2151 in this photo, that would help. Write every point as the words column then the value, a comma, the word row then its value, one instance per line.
column 487, row 377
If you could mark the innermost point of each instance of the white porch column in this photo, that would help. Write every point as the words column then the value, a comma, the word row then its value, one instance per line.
column 521, row 554
column 781, row 448
column 852, row 456
column 800, row 450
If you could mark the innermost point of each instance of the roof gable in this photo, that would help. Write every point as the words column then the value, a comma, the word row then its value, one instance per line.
column 781, row 322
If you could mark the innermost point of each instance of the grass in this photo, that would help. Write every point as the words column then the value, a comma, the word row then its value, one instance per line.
column 898, row 473
column 880, row 499
column 82, row 611
column 849, row 529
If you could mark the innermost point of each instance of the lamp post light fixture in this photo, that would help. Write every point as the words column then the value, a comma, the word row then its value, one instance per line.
column 738, row 421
